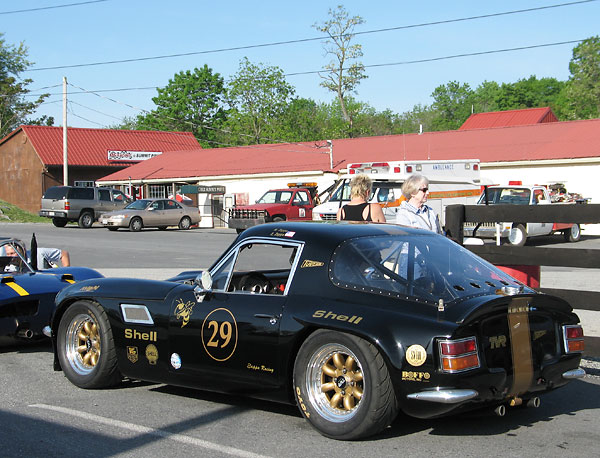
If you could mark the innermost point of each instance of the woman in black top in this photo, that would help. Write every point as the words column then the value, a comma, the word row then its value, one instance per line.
column 359, row 209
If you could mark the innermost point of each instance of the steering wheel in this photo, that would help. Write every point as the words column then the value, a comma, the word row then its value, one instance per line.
column 255, row 283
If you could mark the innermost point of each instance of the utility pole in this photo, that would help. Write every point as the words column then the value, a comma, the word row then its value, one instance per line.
column 330, row 145
column 65, row 161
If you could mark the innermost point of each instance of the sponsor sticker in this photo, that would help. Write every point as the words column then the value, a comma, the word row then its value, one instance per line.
column 416, row 355
column 183, row 311
column 176, row 361
column 132, row 354
column 152, row 354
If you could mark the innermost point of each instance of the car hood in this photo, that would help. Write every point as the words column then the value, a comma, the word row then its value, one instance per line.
column 121, row 288
column 43, row 282
column 122, row 212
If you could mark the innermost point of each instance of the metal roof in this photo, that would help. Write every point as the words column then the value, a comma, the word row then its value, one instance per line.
column 90, row 146
column 552, row 141
column 509, row 118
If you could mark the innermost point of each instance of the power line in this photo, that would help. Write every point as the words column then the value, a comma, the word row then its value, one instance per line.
column 303, row 40
column 388, row 64
column 52, row 7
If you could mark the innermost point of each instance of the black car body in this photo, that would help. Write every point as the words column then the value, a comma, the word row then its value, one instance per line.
column 26, row 295
column 352, row 322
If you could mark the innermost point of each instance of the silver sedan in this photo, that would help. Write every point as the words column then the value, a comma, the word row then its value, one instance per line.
column 159, row 213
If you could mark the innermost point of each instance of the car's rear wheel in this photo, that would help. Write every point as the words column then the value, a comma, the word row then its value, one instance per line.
column 185, row 223
column 342, row 386
column 85, row 346
column 278, row 219
column 86, row 219
column 517, row 235
column 573, row 234
column 136, row 224
column 59, row 222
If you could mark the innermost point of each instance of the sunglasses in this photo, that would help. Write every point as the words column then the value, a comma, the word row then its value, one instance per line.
column 424, row 189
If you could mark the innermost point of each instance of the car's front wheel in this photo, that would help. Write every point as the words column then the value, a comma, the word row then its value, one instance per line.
column 86, row 220
column 136, row 224
column 85, row 346
column 342, row 386
column 185, row 223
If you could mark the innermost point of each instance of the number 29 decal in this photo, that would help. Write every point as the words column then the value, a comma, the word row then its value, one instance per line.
column 219, row 334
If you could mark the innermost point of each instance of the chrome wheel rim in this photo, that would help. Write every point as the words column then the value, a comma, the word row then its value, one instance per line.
column 335, row 383
column 82, row 344
column 515, row 236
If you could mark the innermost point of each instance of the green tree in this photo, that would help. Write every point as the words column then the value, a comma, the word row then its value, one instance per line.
column 193, row 101
column 583, row 87
column 339, row 77
column 529, row 93
column 14, row 109
column 259, row 96
column 453, row 104
column 419, row 119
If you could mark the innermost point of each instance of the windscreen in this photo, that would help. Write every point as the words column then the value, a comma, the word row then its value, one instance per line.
column 506, row 196
column 138, row 204
column 275, row 197
column 420, row 266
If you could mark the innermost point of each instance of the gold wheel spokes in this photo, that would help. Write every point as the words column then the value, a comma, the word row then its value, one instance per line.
column 329, row 370
column 338, row 360
column 89, row 343
column 341, row 381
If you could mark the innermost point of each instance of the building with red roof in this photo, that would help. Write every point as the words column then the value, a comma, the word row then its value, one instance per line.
column 509, row 118
column 31, row 157
column 531, row 152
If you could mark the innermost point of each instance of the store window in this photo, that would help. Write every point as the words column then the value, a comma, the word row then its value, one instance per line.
column 157, row 192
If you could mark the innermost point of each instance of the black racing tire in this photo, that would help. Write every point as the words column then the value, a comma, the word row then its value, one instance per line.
column 136, row 224
column 517, row 236
column 110, row 228
column 86, row 348
column 342, row 386
column 278, row 219
column 59, row 222
column 86, row 220
column 185, row 223
column 573, row 234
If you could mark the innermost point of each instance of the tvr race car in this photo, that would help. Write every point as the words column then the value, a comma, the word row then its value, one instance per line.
column 26, row 294
column 351, row 322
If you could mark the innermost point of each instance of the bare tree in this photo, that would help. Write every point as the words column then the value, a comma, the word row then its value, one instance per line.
column 341, row 78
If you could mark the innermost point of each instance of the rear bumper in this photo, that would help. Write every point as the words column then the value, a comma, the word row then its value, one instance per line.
column 53, row 214
column 245, row 223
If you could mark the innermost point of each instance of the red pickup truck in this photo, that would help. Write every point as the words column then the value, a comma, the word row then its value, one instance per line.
column 292, row 204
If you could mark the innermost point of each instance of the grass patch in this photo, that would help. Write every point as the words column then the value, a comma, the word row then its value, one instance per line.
column 10, row 213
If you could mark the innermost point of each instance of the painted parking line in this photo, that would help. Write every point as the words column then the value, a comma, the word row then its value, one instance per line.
column 152, row 431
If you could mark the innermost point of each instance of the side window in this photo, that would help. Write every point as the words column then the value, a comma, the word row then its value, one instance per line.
column 81, row 193
column 301, row 198
column 118, row 196
column 157, row 205
column 104, row 194
column 170, row 205
column 257, row 268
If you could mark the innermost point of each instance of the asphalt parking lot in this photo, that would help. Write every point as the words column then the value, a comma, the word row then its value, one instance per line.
column 45, row 415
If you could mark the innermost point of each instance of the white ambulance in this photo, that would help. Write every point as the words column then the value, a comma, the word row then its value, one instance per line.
column 450, row 182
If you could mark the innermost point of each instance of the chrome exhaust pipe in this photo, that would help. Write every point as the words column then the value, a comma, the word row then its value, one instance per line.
column 500, row 410
column 25, row 333
column 534, row 402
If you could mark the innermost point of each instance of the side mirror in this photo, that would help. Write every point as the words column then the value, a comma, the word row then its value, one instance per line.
column 203, row 284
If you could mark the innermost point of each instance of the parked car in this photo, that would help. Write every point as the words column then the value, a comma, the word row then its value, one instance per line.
column 27, row 296
column 159, row 213
column 351, row 321
column 84, row 205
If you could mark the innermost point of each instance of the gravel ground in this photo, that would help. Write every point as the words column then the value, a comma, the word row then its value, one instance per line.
column 591, row 366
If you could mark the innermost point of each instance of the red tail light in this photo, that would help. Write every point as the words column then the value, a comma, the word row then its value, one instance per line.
column 396, row 169
column 409, row 169
column 475, row 166
column 573, row 338
column 458, row 355
column 67, row 205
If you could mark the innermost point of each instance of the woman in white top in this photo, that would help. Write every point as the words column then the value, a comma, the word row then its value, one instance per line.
column 414, row 212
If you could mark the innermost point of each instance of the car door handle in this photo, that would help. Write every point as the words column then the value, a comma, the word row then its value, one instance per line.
column 272, row 318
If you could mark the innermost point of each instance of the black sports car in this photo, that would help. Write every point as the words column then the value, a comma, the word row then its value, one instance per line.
column 27, row 295
column 352, row 322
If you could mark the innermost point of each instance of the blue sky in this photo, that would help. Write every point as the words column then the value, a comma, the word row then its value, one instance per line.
column 117, row 30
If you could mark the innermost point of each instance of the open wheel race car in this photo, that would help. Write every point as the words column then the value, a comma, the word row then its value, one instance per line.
column 352, row 322
column 26, row 294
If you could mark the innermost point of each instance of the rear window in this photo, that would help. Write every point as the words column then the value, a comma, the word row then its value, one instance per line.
column 81, row 193
column 425, row 267
column 56, row 192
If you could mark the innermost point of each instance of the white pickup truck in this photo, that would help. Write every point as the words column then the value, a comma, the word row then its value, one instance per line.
column 517, row 233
